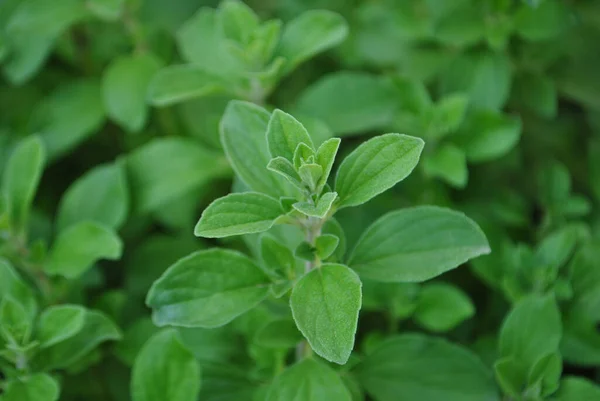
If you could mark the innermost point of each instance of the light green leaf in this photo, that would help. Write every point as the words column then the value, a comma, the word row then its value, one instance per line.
column 79, row 246
column 442, row 307
column 308, row 380
column 284, row 134
column 309, row 34
column 59, row 323
column 100, row 195
column 280, row 333
column 325, row 157
column 417, row 244
column 376, row 166
column 573, row 388
column 448, row 114
column 11, row 285
column 178, row 83
column 311, row 174
column 108, row 10
column 125, row 87
column 238, row 21
column 425, row 368
column 21, row 178
column 15, row 324
column 37, row 387
column 165, row 370
column 243, row 130
column 207, row 289
column 326, row 245
column 164, row 169
column 545, row 22
column 286, row 169
column 321, row 209
column 325, row 304
column 236, row 214
column 449, row 163
column 350, row 102
column 302, row 155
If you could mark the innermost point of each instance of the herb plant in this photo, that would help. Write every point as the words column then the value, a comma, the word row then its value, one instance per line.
column 337, row 200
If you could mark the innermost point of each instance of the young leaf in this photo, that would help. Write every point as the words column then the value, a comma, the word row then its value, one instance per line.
column 277, row 257
column 178, row 83
column 236, row 214
column 238, row 21
column 59, row 323
column 125, row 87
column 100, row 195
column 302, row 155
column 325, row 245
column 325, row 157
column 165, row 370
column 376, row 166
column 37, row 387
column 325, row 304
column 425, row 368
column 319, row 210
column 573, row 388
column 207, row 289
column 78, row 247
column 11, row 285
column 441, row 307
column 284, row 134
column 309, row 34
column 21, row 178
column 280, row 333
column 449, row 163
column 311, row 174
column 16, row 325
column 286, row 169
column 417, row 244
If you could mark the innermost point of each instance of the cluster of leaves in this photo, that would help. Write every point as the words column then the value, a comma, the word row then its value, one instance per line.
column 168, row 232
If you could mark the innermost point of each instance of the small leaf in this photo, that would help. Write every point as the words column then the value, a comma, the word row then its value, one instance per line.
column 305, row 251
column 442, row 307
column 280, row 333
column 285, row 168
column 449, row 163
column 109, row 10
column 16, row 325
column 311, row 174
column 417, row 244
column 321, row 209
column 12, row 286
column 326, row 245
column 238, row 21
column 574, row 388
column 78, row 247
column 59, row 323
column 236, row 214
column 325, row 304
column 449, row 113
column 178, row 83
column 303, row 154
column 277, row 257
column 165, row 370
column 37, row 387
column 376, row 166
column 309, row 34
column 284, row 134
column 125, row 87
column 207, row 289
column 325, row 157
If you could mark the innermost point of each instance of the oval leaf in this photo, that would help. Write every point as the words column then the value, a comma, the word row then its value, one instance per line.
column 37, row 387
column 58, row 323
column 284, row 134
column 177, row 83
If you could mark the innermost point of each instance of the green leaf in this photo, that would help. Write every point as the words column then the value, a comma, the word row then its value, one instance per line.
column 302, row 155
column 243, row 130
column 417, row 244
column 207, row 289
column 326, row 245
column 100, row 195
column 573, row 388
column 11, row 285
column 442, row 307
column 16, row 325
column 178, row 83
column 510, row 376
column 309, row 34
column 425, row 368
column 463, row 26
column 325, row 304
column 545, row 375
column 448, row 114
column 37, row 387
column 280, row 333
column 165, row 370
column 531, row 330
column 308, row 380
column 538, row 93
column 325, row 157
column 21, row 178
column 97, row 329
column 59, row 323
column 125, row 87
column 376, row 166
column 108, row 10
column 238, row 21
column 449, row 163
column 547, row 21
column 311, row 174
column 79, row 246
column 350, row 102
column 236, row 214
column 277, row 257
column 284, row 134
column 286, row 169
column 321, row 209
column 157, row 177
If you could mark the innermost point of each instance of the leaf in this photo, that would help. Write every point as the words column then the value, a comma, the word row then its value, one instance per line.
column 286, row 169
column 16, row 325
column 165, row 370
column 21, row 178
column 238, row 21
column 311, row 174
column 207, row 289
column 79, row 246
column 309, row 34
column 11, row 285
column 325, row 304
column 574, row 388
column 321, row 209
column 280, row 333
column 463, row 26
column 449, row 163
column 376, row 166
column 108, row 10
column 59, row 323
column 125, row 87
column 37, row 387
column 164, row 169
column 236, row 214
column 441, row 307
column 417, row 244
column 178, row 83
column 243, row 130
column 325, row 245
column 538, row 93
column 350, row 102
column 284, row 134
column 545, row 22
column 425, row 368
column 100, row 195
column 97, row 329
column 277, row 257
column 325, row 157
